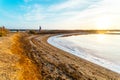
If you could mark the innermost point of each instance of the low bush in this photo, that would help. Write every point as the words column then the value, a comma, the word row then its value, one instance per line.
column 32, row 32
column 3, row 31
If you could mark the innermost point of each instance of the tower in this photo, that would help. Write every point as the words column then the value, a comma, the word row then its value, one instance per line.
column 40, row 28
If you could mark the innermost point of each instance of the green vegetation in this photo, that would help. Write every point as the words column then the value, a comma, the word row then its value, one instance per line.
column 3, row 31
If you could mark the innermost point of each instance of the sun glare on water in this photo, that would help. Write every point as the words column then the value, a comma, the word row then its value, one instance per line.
column 103, row 23
column 101, row 38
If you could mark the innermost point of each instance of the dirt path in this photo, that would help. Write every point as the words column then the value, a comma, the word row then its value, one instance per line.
column 55, row 64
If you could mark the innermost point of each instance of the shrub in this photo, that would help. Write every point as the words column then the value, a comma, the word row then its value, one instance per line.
column 32, row 32
column 3, row 31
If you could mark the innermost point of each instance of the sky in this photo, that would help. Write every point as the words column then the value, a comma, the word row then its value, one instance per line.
column 60, row 14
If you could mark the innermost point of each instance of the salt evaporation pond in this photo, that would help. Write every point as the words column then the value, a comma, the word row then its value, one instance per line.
column 101, row 49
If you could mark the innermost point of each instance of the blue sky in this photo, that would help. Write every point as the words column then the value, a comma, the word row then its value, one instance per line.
column 60, row 14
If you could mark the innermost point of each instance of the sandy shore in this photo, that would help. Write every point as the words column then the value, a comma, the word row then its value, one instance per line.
column 56, row 64
column 32, row 58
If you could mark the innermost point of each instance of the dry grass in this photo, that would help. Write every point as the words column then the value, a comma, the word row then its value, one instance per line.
column 3, row 31
column 8, row 68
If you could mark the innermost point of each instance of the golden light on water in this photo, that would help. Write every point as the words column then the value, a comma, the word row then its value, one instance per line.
column 103, row 23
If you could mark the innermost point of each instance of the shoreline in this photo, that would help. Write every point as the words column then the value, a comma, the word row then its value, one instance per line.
column 65, row 65
column 90, row 57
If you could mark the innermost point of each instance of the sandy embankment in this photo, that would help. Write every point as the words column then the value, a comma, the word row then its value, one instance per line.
column 32, row 58
column 14, row 64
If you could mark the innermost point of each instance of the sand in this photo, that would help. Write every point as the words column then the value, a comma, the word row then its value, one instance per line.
column 30, row 57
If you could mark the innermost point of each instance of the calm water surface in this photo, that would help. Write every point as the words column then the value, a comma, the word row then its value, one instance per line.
column 100, row 45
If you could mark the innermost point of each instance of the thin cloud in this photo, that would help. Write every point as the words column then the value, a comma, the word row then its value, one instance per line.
column 87, row 18
column 72, row 5
column 26, row 1
column 34, row 12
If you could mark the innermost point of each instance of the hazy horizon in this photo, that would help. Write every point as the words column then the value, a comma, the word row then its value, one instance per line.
column 60, row 14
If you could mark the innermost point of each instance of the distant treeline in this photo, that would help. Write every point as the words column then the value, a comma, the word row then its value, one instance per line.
column 74, row 31
column 3, row 31
column 21, row 30
column 37, row 31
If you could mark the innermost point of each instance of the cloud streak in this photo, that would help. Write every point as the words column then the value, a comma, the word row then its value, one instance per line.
column 34, row 13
